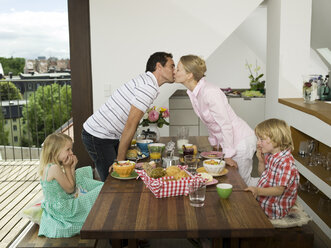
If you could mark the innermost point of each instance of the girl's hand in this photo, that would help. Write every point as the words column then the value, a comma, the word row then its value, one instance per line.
column 254, row 191
column 67, row 162
column 231, row 162
column 73, row 164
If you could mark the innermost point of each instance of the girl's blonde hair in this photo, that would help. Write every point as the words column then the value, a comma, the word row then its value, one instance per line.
column 195, row 65
column 51, row 149
column 278, row 132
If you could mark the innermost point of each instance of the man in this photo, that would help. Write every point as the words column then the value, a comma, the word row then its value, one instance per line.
column 107, row 134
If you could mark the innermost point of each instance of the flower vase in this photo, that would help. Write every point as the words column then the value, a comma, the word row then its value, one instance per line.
column 154, row 128
column 309, row 89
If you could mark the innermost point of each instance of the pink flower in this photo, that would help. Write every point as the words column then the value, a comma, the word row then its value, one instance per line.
column 153, row 116
column 165, row 114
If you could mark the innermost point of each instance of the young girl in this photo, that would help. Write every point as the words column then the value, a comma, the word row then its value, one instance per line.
column 68, row 194
column 276, row 190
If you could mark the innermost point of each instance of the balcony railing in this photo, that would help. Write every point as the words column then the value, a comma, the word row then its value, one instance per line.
column 31, row 110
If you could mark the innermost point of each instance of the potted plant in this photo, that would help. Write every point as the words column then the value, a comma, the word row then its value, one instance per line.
column 256, row 83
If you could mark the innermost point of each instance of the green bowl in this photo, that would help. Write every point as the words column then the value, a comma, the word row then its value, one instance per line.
column 224, row 190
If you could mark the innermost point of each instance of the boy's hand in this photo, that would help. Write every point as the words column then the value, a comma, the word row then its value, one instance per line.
column 254, row 191
column 259, row 154
column 231, row 162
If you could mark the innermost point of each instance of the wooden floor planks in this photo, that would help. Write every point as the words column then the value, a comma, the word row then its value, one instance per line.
column 19, row 187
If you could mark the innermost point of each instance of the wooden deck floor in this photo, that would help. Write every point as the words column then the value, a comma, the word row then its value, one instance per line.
column 19, row 187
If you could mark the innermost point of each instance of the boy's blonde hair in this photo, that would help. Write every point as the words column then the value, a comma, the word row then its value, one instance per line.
column 51, row 149
column 278, row 132
column 195, row 65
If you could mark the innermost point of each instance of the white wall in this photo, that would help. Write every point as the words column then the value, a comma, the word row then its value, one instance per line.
column 122, row 38
column 289, row 59
column 226, row 65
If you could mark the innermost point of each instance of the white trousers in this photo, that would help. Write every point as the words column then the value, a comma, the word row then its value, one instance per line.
column 244, row 157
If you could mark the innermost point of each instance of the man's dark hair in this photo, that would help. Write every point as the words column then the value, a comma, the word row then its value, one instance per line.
column 160, row 57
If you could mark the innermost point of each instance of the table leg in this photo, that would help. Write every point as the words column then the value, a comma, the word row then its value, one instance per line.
column 133, row 243
column 116, row 243
column 217, row 243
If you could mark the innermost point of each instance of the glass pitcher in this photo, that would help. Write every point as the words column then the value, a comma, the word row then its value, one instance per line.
column 182, row 137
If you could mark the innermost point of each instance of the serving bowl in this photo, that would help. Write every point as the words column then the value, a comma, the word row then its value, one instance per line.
column 124, row 168
column 214, row 166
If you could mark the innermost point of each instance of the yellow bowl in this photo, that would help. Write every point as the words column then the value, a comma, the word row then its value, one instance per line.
column 124, row 168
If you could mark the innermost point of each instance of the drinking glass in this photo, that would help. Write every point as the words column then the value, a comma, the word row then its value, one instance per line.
column 312, row 160
column 192, row 163
column 303, row 148
column 328, row 161
column 155, row 153
column 188, row 149
column 197, row 194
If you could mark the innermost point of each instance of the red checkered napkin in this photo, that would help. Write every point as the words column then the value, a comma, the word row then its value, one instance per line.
column 165, row 186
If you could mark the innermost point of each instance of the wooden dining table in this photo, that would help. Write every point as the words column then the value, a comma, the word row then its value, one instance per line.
column 127, row 209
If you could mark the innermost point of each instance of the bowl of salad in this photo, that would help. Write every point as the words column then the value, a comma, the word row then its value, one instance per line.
column 214, row 166
column 124, row 168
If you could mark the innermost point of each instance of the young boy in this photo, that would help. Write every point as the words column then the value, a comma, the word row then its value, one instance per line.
column 276, row 190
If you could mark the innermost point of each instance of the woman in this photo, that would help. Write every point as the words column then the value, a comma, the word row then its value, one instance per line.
column 225, row 128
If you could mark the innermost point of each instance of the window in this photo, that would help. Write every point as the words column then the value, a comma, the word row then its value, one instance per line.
column 15, row 139
column 14, row 127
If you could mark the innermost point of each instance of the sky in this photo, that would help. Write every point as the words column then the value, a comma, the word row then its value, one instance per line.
column 29, row 29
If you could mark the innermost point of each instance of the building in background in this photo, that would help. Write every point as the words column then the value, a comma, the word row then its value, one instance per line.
column 43, row 65
column 13, row 120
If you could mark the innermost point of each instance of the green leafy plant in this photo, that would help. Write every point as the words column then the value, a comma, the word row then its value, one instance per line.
column 255, row 78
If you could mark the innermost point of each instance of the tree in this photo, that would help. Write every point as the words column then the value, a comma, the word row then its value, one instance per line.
column 3, row 133
column 48, row 108
column 9, row 91
column 14, row 65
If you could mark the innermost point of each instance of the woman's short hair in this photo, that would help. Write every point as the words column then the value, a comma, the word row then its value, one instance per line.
column 278, row 132
column 195, row 65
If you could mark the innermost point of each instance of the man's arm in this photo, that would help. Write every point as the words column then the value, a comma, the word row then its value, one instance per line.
column 130, row 128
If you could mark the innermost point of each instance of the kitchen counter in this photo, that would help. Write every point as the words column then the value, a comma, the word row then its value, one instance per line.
column 182, row 93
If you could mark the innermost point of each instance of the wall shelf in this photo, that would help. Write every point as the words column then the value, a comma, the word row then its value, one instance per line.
column 319, row 109
column 318, row 176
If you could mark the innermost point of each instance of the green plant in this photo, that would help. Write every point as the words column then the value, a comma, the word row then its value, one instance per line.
column 255, row 83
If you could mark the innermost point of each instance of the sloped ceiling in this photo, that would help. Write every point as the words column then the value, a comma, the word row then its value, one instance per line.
column 321, row 29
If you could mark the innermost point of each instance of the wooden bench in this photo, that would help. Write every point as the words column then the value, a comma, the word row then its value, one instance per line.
column 31, row 239
column 294, row 237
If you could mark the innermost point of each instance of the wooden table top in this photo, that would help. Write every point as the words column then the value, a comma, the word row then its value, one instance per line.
column 126, row 209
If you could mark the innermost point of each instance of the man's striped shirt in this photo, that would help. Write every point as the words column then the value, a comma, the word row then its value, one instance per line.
column 109, row 121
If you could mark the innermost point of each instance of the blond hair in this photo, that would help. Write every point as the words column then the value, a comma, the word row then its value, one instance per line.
column 51, row 150
column 195, row 65
column 278, row 132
